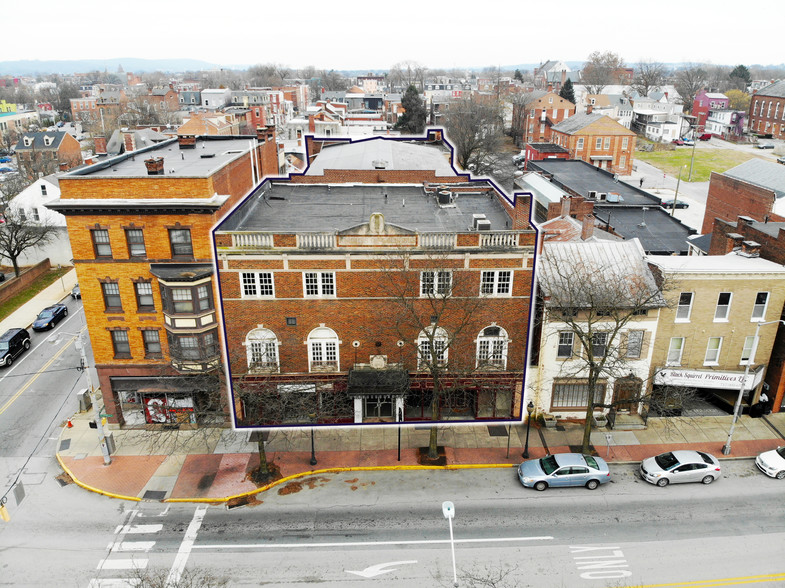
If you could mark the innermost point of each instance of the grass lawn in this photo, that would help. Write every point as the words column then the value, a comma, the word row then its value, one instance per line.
column 706, row 161
column 42, row 282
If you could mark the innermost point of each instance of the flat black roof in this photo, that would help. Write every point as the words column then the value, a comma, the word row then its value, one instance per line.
column 658, row 232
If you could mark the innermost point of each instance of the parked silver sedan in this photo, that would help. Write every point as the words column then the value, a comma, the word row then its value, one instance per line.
column 677, row 467
column 564, row 469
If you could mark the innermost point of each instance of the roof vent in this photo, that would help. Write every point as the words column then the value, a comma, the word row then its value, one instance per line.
column 207, row 155
column 444, row 197
column 155, row 166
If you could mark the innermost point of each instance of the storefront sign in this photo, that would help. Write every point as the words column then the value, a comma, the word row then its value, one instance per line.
column 707, row 379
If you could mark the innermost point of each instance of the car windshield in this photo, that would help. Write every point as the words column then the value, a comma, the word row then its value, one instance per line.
column 780, row 450
column 591, row 462
column 705, row 458
column 3, row 345
column 46, row 314
column 548, row 464
column 666, row 461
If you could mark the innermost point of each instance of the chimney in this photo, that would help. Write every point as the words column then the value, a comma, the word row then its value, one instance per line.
column 186, row 141
column 311, row 124
column 155, row 166
column 63, row 166
column 589, row 108
column 100, row 145
column 750, row 249
column 550, row 87
column 563, row 77
column 587, row 229
column 129, row 140
column 733, row 241
column 565, row 206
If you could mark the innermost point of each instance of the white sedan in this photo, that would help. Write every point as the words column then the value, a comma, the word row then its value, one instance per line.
column 772, row 463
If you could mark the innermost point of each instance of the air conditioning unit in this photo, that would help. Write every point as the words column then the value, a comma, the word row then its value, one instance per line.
column 483, row 225
column 602, row 196
column 592, row 194
column 85, row 402
column 477, row 218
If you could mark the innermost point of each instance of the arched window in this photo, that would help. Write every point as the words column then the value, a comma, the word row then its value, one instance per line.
column 492, row 348
column 433, row 348
column 261, row 346
column 323, row 350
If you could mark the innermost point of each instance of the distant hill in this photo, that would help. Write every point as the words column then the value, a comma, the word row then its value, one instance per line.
column 29, row 67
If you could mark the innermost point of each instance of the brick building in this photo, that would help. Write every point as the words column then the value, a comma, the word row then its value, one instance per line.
column 767, row 111
column 756, row 189
column 706, row 101
column 597, row 139
column 46, row 153
column 139, row 227
column 536, row 113
column 344, row 289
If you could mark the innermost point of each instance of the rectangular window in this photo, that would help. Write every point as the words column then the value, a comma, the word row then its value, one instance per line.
column 607, row 143
column 180, row 240
column 599, row 344
column 120, row 344
column 152, row 343
column 182, row 299
column 598, row 143
column 622, row 161
column 748, row 352
column 101, row 244
column 135, row 238
column 433, row 283
column 634, row 344
column 319, row 283
column 723, row 307
column 759, row 308
column 495, row 283
column 257, row 284
column 203, row 297
column 713, row 351
column 624, row 143
column 675, row 350
column 36, row 216
column 264, row 355
column 684, row 308
column 579, row 144
column 112, row 299
column 144, row 295
column 575, row 395
column 189, row 347
column 566, row 339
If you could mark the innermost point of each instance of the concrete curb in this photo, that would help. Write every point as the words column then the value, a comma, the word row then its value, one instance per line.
column 91, row 488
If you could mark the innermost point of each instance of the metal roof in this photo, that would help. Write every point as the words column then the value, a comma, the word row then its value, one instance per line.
column 759, row 172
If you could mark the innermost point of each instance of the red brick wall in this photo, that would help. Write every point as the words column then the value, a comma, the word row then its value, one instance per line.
column 767, row 116
column 728, row 198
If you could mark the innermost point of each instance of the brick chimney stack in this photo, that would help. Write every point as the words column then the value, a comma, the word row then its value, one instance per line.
column 565, row 206
column 100, row 145
column 750, row 249
column 129, row 141
column 733, row 241
column 155, row 166
column 587, row 228
column 589, row 109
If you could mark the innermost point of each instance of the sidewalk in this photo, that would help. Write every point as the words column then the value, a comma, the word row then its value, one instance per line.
column 212, row 465
column 25, row 315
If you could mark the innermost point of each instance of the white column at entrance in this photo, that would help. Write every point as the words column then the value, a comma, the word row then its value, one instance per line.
column 358, row 409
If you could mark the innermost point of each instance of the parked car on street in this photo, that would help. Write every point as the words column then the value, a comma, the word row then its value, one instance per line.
column 765, row 146
column 76, row 292
column 12, row 343
column 781, row 160
column 688, row 142
column 670, row 204
column 49, row 317
column 772, row 463
column 5, row 160
column 564, row 469
column 5, row 170
column 705, row 137
column 677, row 467
column 678, row 142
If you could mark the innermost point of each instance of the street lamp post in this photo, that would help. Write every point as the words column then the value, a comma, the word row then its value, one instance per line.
column 313, row 450
column 448, row 510
column 692, row 157
column 529, row 410
column 93, row 396
column 676, row 195
column 400, row 419
column 737, row 406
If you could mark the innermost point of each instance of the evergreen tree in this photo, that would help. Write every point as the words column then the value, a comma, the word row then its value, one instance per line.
column 567, row 92
column 412, row 121
column 518, row 75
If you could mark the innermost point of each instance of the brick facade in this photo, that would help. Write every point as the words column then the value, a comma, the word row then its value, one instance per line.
column 729, row 197
column 767, row 111
column 603, row 143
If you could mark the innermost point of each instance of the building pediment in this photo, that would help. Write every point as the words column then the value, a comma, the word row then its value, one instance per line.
column 376, row 226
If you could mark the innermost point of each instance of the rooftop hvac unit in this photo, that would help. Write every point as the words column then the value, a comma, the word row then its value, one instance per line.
column 483, row 225
column 444, row 197
column 476, row 218
column 592, row 194
column 602, row 196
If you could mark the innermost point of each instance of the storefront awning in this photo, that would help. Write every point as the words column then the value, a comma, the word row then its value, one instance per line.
column 393, row 382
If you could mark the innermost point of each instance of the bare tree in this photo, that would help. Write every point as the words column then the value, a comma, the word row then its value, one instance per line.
column 597, row 301
column 19, row 233
column 689, row 81
column 475, row 127
column 649, row 76
column 520, row 110
column 408, row 73
column 165, row 578
column 268, row 74
column 600, row 70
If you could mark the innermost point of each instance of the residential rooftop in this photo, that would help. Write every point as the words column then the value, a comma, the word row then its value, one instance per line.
column 734, row 262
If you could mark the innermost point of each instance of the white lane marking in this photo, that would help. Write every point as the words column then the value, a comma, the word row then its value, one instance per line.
column 131, row 546
column 371, row 543
column 378, row 569
column 185, row 547
column 122, row 564
column 131, row 529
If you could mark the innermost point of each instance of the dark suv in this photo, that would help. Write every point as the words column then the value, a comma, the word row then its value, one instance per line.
column 12, row 343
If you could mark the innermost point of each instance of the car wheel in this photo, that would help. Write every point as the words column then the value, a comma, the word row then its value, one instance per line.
column 8, row 361
column 707, row 479
column 65, row 312
column 780, row 475
column 592, row 484
column 27, row 344
column 540, row 486
column 662, row 482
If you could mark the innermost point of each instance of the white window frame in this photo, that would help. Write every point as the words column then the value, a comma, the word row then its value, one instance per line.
column 719, row 315
column 712, row 356
column 496, row 283
column 675, row 351
column 600, row 339
column 565, row 338
column 758, row 309
column 323, row 350
column 441, row 347
column 322, row 282
column 680, row 308
column 257, row 285
column 598, row 143
column 632, row 345
column 748, row 350
column 625, row 143
column 492, row 349
column 263, row 344
column 607, row 144
column 435, row 283
column 579, row 144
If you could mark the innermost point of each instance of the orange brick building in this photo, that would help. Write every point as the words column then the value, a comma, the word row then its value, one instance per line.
column 597, row 139
column 47, row 152
column 343, row 287
column 536, row 113
column 139, row 225
column 767, row 111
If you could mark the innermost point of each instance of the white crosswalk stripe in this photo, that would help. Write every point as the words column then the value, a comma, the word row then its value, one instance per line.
column 131, row 546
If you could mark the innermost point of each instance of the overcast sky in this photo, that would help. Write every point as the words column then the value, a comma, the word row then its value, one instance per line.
column 349, row 35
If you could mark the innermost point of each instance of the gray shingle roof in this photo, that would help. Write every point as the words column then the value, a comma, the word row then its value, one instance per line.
column 765, row 174
column 775, row 90
column 577, row 122
column 39, row 143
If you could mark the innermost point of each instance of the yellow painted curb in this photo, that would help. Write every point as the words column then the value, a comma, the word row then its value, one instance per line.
column 336, row 471
column 90, row 488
